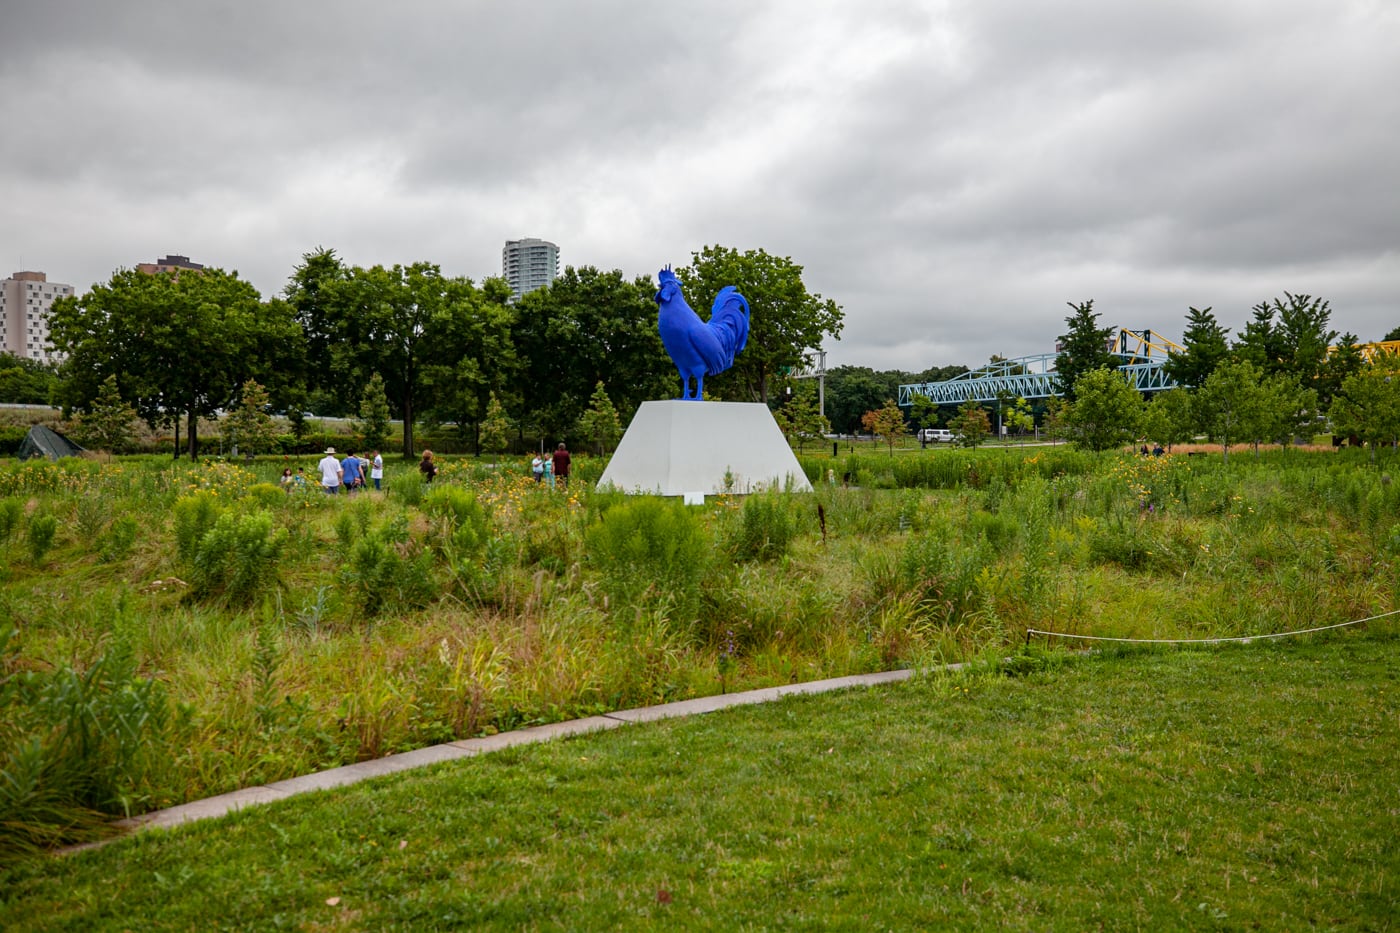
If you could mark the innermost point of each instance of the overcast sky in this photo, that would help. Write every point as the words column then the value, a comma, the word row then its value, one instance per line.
column 950, row 173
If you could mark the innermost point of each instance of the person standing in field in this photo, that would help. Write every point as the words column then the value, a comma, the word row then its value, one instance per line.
column 350, row 473
column 561, row 464
column 376, row 469
column 537, row 468
column 549, row 472
column 330, row 472
column 427, row 467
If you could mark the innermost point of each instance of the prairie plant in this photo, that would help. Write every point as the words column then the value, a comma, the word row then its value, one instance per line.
column 767, row 524
column 651, row 551
column 237, row 558
column 74, row 743
column 194, row 515
column 11, row 513
column 386, row 572
column 40, row 535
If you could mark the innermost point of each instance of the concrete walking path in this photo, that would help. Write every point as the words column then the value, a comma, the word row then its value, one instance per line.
column 224, row 804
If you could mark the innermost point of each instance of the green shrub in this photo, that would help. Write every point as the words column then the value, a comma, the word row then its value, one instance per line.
column 767, row 525
column 943, row 575
column 75, row 744
column 386, row 573
column 267, row 495
column 407, row 487
column 465, row 519
column 116, row 542
column 651, row 550
column 42, row 528
column 11, row 512
column 237, row 558
column 194, row 516
column 90, row 514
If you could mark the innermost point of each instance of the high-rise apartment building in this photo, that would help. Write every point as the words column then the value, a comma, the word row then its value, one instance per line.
column 529, row 264
column 25, row 301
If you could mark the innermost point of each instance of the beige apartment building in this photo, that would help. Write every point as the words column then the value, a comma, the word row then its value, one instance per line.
column 25, row 301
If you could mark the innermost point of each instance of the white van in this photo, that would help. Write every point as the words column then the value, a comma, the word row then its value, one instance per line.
column 936, row 435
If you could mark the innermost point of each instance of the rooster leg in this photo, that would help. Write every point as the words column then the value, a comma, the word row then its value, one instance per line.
column 700, row 387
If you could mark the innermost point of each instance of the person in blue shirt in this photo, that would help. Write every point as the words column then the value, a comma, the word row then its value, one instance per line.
column 351, row 471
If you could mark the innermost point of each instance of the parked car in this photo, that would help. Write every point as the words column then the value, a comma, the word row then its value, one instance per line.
column 936, row 435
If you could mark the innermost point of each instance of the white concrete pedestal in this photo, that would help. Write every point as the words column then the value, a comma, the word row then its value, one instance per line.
column 679, row 448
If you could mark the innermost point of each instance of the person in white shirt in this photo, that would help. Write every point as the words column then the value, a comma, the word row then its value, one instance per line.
column 330, row 472
column 376, row 468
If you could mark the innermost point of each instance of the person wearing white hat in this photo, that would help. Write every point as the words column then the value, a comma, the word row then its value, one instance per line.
column 330, row 472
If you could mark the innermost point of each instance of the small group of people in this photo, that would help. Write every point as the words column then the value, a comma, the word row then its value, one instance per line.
column 354, row 472
column 1157, row 450
column 546, row 468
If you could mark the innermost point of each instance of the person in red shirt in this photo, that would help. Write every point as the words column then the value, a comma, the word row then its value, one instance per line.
column 561, row 465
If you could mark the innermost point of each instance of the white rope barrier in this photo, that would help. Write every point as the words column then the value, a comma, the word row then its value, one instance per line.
column 1242, row 639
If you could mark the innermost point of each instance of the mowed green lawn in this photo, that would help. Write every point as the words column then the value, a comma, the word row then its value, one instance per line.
column 1242, row 787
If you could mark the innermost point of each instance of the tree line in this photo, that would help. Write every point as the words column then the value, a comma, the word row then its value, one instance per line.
column 1288, row 374
column 175, row 347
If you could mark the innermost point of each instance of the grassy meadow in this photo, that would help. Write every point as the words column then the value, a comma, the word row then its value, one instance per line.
column 173, row 631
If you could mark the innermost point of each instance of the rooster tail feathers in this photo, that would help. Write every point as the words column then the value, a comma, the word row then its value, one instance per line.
column 729, row 319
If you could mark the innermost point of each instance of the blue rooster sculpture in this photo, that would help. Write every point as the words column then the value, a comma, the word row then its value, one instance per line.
column 698, row 347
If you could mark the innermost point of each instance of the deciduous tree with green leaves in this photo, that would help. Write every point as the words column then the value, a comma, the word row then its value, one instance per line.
column 1105, row 412
column 886, row 423
column 1231, row 403
column 786, row 321
column 1368, row 405
column 1168, row 419
column 971, row 424
column 179, row 344
column 589, row 327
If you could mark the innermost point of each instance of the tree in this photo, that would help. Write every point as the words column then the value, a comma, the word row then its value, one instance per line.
column 851, row 391
column 1393, row 335
column 1084, row 349
column 786, row 320
column 1368, row 405
column 179, row 344
column 1344, row 360
column 317, row 303
column 26, row 382
column 373, row 423
column 249, row 426
column 386, row 317
column 588, row 327
column 799, row 419
column 1204, row 347
column 1018, row 417
column 1169, row 419
column 472, row 358
column 972, row 424
column 923, row 412
column 600, row 424
column 1295, row 344
column 1106, row 410
column 886, row 423
column 1230, row 403
column 495, row 427
column 107, row 424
